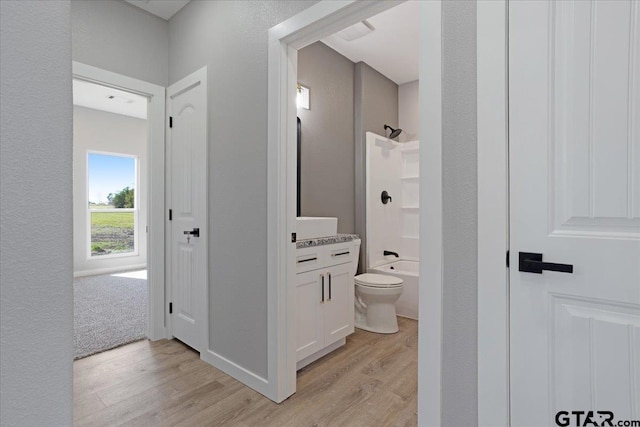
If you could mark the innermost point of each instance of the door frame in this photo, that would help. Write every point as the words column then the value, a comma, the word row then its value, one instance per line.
column 493, row 212
column 309, row 26
column 156, row 320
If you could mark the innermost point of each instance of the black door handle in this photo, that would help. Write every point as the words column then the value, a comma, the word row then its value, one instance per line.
column 532, row 263
column 195, row 232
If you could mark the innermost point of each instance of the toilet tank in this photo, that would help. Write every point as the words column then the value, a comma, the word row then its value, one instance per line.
column 356, row 250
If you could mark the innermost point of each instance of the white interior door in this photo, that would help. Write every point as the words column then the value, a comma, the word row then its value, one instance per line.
column 574, row 152
column 187, row 145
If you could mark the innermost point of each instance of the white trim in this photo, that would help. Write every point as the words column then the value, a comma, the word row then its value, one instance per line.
column 493, row 219
column 108, row 270
column 155, row 216
column 312, row 24
column 430, row 299
column 236, row 371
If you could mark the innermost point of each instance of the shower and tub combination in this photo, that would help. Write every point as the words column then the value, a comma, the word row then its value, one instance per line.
column 392, row 212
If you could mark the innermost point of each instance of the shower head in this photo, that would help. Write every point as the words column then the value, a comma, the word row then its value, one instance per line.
column 394, row 132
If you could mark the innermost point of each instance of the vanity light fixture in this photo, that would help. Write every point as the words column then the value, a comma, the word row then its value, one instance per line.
column 302, row 98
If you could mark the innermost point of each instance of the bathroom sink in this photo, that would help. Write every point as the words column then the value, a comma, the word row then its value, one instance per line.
column 309, row 227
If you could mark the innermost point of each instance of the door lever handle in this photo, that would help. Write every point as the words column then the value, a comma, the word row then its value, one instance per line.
column 532, row 263
column 195, row 232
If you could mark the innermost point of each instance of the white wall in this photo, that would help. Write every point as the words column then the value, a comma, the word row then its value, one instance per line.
column 97, row 130
column 230, row 37
column 393, row 167
column 36, row 301
column 119, row 37
column 409, row 111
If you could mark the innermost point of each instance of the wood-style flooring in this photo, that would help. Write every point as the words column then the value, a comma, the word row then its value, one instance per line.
column 371, row 381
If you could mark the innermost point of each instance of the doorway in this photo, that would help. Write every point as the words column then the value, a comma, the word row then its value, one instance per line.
column 284, row 41
column 110, row 201
column 126, row 243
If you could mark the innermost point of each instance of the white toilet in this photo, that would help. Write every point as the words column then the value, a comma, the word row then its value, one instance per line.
column 376, row 295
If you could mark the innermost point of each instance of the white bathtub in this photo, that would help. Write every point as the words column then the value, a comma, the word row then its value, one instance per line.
column 407, row 304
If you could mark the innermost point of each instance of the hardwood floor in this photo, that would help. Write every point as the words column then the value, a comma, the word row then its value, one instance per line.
column 371, row 381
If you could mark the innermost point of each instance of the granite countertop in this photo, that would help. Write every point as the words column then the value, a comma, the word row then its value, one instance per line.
column 320, row 241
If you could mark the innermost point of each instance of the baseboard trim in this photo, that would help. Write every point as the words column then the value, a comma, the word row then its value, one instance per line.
column 236, row 371
column 96, row 271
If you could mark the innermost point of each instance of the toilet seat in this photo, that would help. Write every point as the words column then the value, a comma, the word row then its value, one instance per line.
column 372, row 280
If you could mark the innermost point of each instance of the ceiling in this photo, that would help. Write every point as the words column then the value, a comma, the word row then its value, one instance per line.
column 98, row 97
column 165, row 9
column 392, row 48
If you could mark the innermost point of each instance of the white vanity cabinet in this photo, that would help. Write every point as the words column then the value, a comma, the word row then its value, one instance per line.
column 324, row 299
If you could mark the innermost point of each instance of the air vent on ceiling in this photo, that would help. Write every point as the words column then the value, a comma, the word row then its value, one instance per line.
column 356, row 31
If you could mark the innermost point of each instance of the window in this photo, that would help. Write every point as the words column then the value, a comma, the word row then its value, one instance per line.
column 113, row 204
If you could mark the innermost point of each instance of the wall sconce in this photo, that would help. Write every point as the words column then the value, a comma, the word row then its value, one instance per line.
column 302, row 98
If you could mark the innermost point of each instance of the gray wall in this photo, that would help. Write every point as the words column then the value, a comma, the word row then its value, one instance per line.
column 376, row 104
column 231, row 39
column 36, row 277
column 122, row 38
column 460, row 240
column 328, row 176
column 36, row 302
column 409, row 111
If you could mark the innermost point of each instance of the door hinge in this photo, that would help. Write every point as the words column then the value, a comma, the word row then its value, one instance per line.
column 507, row 259
column 170, row 122
column 170, row 214
column 170, row 308
column 293, row 237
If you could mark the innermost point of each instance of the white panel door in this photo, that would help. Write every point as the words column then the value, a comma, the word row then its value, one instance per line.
column 187, row 146
column 338, row 306
column 574, row 153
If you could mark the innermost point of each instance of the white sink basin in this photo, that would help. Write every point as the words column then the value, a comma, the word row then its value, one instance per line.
column 309, row 227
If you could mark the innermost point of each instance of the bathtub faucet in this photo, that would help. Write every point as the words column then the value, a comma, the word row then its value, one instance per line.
column 391, row 253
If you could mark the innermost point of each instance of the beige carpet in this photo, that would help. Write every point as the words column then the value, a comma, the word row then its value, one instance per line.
column 109, row 311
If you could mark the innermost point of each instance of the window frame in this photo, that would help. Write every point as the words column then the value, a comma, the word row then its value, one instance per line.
column 135, row 209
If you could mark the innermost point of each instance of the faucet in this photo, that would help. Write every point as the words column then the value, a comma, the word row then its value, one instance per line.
column 391, row 253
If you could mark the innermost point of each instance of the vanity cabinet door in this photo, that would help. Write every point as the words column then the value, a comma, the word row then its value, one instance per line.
column 338, row 305
column 309, row 326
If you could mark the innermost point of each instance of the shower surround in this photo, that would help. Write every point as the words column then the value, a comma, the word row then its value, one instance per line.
column 393, row 226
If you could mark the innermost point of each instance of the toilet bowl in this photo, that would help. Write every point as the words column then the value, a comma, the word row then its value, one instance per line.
column 375, row 299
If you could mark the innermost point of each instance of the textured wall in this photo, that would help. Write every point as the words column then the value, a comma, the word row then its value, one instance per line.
column 409, row 111
column 460, row 240
column 95, row 130
column 328, row 176
column 119, row 37
column 231, row 38
column 35, row 214
column 376, row 104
